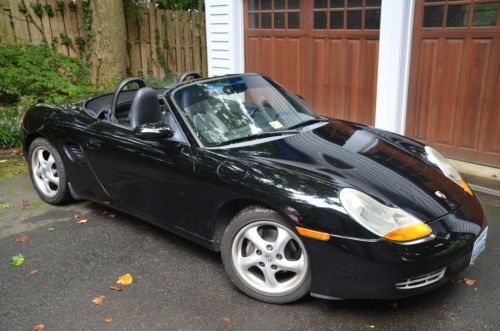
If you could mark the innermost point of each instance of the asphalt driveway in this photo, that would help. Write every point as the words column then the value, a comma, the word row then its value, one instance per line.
column 179, row 285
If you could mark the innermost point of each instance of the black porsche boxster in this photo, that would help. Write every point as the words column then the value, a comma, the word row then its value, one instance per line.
column 296, row 203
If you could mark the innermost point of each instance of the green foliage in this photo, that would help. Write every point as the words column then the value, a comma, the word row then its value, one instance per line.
column 66, row 40
column 10, row 122
column 38, row 9
column 88, row 34
column 177, row 4
column 31, row 74
column 60, row 6
column 49, row 10
column 156, row 82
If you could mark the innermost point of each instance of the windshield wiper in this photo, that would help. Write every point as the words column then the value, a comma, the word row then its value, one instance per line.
column 308, row 122
column 258, row 136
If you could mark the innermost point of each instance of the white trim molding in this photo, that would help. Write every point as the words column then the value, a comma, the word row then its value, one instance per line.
column 225, row 37
column 396, row 32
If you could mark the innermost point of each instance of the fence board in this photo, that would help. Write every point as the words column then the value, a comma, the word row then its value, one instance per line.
column 161, row 41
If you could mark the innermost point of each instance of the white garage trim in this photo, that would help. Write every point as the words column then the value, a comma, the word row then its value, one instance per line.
column 225, row 33
column 396, row 29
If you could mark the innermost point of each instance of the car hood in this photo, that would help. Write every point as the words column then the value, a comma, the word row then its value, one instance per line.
column 377, row 162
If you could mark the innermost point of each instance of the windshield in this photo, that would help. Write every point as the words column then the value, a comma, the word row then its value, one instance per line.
column 240, row 108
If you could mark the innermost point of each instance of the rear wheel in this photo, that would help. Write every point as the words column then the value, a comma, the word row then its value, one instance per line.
column 47, row 172
column 265, row 258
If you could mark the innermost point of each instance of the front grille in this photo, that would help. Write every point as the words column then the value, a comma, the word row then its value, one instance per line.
column 420, row 281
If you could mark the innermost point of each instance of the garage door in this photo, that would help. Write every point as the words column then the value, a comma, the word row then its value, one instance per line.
column 324, row 50
column 454, row 101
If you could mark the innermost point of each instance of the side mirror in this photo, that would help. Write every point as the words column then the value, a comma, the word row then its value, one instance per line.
column 152, row 131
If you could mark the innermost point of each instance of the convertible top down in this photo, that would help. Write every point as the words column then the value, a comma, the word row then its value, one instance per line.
column 296, row 203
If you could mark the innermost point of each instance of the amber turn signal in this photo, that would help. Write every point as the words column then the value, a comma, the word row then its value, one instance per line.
column 466, row 187
column 408, row 233
column 313, row 233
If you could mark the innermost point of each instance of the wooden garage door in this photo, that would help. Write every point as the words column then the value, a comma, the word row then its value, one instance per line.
column 454, row 101
column 324, row 50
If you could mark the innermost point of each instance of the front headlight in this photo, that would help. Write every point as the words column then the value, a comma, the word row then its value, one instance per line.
column 446, row 168
column 391, row 223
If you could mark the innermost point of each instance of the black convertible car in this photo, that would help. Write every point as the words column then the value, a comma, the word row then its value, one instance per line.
column 296, row 203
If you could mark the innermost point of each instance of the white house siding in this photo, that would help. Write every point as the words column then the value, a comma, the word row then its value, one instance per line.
column 225, row 29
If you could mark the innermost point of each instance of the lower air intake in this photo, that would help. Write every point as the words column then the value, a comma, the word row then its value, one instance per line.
column 420, row 281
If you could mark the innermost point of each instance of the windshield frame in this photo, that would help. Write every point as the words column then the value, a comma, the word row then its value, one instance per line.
column 180, row 111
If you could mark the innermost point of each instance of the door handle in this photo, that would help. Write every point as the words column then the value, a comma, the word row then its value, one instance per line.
column 93, row 143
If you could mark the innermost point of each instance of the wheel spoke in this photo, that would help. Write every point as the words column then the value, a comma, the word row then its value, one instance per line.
column 296, row 266
column 270, row 277
column 41, row 160
column 46, row 185
column 282, row 240
column 52, row 178
column 50, row 162
column 254, row 236
column 249, row 261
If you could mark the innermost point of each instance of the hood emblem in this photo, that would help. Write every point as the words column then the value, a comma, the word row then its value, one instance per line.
column 440, row 194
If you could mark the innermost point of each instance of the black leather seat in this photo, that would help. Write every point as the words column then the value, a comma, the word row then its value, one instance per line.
column 145, row 108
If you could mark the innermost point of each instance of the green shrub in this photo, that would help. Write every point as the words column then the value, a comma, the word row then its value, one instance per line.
column 10, row 120
column 32, row 74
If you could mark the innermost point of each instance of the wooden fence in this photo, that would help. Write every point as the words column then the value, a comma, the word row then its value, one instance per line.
column 159, row 41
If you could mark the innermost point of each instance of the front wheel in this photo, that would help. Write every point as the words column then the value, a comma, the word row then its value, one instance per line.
column 265, row 258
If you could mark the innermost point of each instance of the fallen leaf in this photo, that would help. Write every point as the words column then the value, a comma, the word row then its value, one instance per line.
column 371, row 326
column 3, row 161
column 112, row 215
column 4, row 205
column 39, row 327
column 34, row 272
column 125, row 279
column 25, row 202
column 469, row 281
column 115, row 288
column 99, row 300
column 105, row 212
column 82, row 221
column 108, row 319
column 226, row 319
column 17, row 260
column 52, row 228
column 77, row 217
column 22, row 239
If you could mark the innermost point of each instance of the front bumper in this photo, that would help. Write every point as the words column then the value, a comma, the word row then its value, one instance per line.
column 344, row 268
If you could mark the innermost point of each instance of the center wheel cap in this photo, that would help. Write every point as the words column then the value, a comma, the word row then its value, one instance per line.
column 268, row 257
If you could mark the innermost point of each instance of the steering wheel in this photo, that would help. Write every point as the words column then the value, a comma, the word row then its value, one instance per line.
column 187, row 74
column 119, row 90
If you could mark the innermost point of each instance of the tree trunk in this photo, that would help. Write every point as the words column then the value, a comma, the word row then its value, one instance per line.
column 109, row 47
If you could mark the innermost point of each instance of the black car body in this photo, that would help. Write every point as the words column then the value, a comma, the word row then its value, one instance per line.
column 195, row 191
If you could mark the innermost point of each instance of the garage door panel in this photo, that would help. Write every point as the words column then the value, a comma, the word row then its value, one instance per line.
column 253, row 55
column 475, row 94
column 332, row 63
column 446, row 92
column 491, row 123
column 337, row 87
column 426, row 73
column 454, row 84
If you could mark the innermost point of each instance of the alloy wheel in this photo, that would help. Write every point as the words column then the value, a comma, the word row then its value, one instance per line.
column 270, row 258
column 45, row 172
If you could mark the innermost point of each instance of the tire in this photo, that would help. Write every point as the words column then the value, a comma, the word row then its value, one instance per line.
column 47, row 172
column 273, row 269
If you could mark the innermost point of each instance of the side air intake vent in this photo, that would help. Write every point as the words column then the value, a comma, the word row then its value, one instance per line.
column 74, row 153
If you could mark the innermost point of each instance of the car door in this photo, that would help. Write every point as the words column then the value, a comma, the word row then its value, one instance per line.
column 151, row 179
